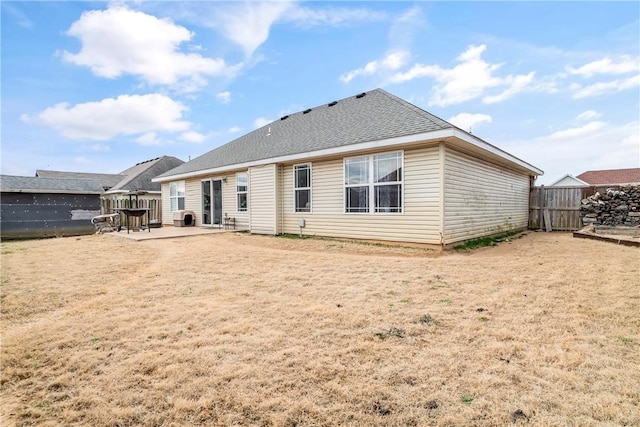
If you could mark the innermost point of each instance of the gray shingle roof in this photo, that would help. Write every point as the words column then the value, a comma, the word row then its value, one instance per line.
column 105, row 179
column 375, row 116
column 139, row 176
column 30, row 184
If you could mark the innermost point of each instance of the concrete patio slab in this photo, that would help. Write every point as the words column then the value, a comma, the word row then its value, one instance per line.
column 167, row 232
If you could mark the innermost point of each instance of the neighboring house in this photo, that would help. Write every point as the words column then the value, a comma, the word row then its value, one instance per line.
column 106, row 180
column 135, row 179
column 611, row 176
column 32, row 207
column 133, row 186
column 569, row 181
column 371, row 166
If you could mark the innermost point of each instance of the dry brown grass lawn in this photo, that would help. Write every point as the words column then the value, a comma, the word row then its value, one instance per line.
column 233, row 329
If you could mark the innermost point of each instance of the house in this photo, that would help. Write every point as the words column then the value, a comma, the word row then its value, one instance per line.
column 569, row 181
column 370, row 166
column 137, row 178
column 134, row 183
column 106, row 180
column 611, row 176
column 32, row 207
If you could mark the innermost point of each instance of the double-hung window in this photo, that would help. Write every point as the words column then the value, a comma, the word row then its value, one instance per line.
column 373, row 183
column 302, row 187
column 176, row 195
column 242, row 186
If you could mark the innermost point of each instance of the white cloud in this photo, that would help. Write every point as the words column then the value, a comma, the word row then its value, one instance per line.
column 588, row 115
column 248, row 23
column 149, row 138
column 392, row 61
column 234, row 129
column 596, row 145
column 400, row 37
column 515, row 84
column 20, row 18
column 571, row 133
column 261, row 121
column 332, row 16
column 224, row 97
column 624, row 64
column 603, row 88
column 467, row 121
column 193, row 137
column 470, row 79
column 124, row 115
column 403, row 27
column 121, row 41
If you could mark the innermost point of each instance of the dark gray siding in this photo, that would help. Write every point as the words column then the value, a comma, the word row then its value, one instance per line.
column 37, row 215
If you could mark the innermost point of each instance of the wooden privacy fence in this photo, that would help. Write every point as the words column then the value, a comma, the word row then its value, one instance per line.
column 108, row 206
column 557, row 208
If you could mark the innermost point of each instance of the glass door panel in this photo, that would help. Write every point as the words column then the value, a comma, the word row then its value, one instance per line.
column 206, row 202
column 217, row 201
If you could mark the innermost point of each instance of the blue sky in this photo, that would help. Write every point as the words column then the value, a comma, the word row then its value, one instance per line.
column 100, row 86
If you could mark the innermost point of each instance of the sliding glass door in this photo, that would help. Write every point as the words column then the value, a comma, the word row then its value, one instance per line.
column 212, row 202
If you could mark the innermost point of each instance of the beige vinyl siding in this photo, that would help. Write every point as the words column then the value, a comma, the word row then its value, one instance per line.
column 167, row 216
column 418, row 223
column 280, row 199
column 193, row 201
column 230, row 202
column 193, row 198
column 481, row 198
column 263, row 199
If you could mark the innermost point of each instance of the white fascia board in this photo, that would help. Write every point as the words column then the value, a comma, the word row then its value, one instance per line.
column 466, row 137
column 370, row 145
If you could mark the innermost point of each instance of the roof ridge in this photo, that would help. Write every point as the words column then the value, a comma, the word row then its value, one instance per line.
column 414, row 107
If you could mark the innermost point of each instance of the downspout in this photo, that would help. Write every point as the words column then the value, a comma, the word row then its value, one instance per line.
column 441, row 158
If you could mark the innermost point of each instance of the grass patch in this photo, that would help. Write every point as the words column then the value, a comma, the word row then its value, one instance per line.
column 445, row 301
column 426, row 319
column 393, row 332
column 487, row 241
column 466, row 399
column 6, row 250
column 625, row 340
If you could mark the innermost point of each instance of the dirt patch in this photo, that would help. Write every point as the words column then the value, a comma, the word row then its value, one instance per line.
column 234, row 329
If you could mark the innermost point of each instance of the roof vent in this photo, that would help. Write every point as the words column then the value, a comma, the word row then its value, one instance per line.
column 284, row 117
column 331, row 104
column 361, row 95
column 308, row 110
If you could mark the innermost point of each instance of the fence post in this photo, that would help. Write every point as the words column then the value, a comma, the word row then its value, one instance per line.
column 541, row 198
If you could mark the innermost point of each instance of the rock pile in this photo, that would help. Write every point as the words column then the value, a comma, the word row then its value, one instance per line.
column 617, row 206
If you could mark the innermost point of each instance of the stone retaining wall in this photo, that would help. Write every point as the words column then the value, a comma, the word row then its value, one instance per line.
column 612, row 206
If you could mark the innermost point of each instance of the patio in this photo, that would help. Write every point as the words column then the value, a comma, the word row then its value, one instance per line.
column 166, row 232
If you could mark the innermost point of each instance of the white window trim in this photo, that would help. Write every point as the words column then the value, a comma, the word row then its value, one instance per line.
column 303, row 188
column 177, row 197
column 371, row 184
column 246, row 192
